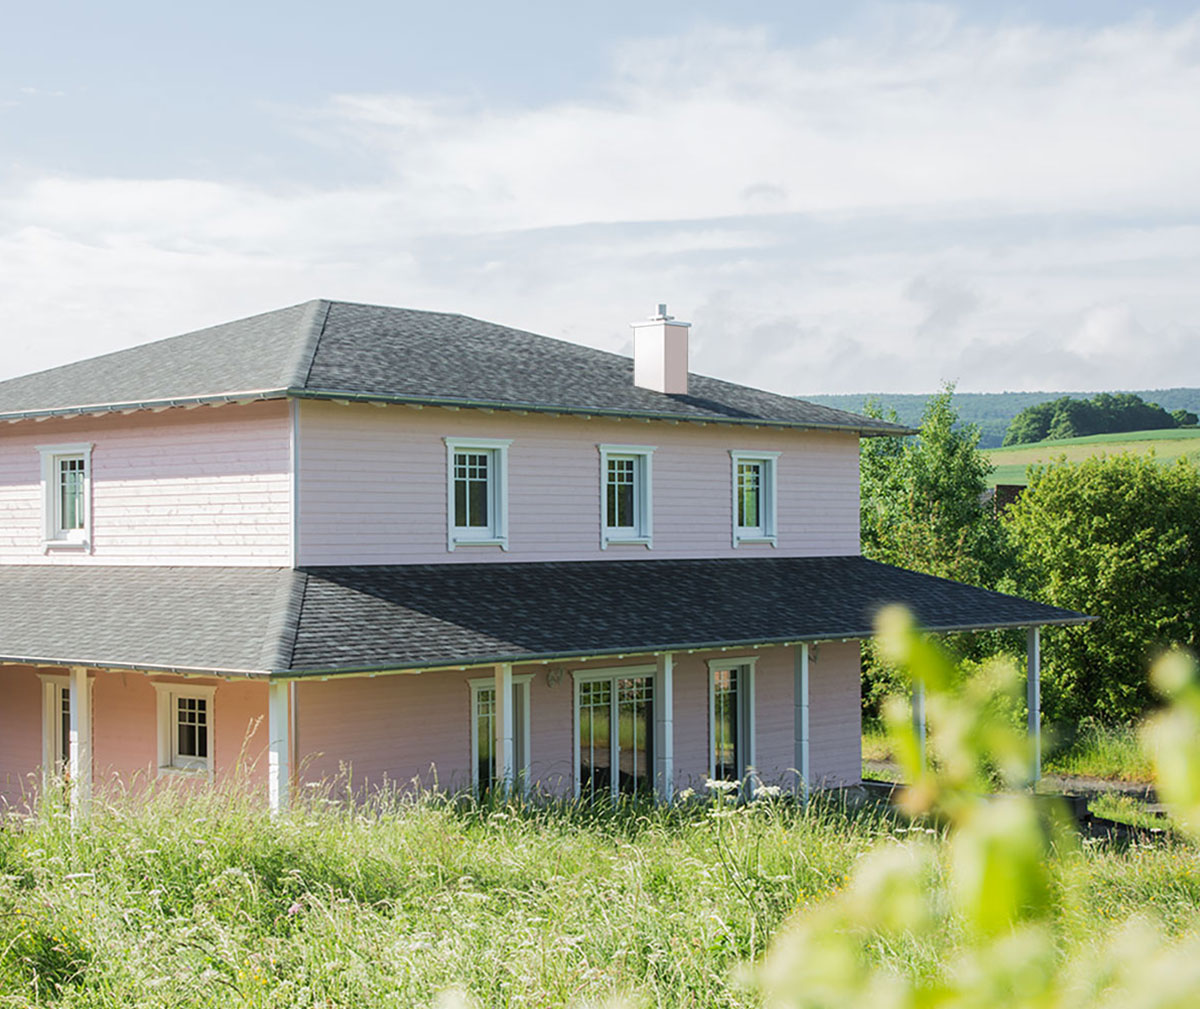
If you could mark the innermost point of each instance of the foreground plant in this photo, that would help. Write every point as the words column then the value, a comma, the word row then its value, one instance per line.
column 999, row 892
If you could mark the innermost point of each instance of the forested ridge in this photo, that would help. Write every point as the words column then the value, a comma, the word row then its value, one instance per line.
column 992, row 412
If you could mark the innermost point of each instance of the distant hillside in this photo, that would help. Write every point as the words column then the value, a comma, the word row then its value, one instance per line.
column 1167, row 445
column 993, row 411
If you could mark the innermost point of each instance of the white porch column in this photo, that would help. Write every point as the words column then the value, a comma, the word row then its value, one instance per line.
column 918, row 717
column 1033, row 695
column 279, row 724
column 664, row 727
column 802, row 735
column 79, row 766
column 505, row 756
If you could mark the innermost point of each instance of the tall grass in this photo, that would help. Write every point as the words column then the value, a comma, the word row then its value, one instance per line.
column 1100, row 751
column 206, row 900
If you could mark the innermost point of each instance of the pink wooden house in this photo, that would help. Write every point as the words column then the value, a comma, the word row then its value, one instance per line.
column 395, row 546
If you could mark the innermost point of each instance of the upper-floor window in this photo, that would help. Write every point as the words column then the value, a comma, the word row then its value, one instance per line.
column 66, row 495
column 754, row 497
column 477, row 491
column 626, row 513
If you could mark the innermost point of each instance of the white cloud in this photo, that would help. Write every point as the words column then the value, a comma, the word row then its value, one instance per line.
column 921, row 199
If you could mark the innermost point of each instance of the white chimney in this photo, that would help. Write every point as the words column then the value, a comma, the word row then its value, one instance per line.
column 660, row 353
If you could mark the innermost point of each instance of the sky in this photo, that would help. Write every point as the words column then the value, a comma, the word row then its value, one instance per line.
column 839, row 197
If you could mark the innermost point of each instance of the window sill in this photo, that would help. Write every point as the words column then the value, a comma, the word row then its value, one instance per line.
column 610, row 540
column 772, row 540
column 170, row 771
column 502, row 543
column 81, row 546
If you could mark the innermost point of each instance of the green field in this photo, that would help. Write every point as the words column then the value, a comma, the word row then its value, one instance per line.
column 1167, row 445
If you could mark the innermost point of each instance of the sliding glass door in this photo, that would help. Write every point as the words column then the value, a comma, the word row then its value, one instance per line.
column 615, row 729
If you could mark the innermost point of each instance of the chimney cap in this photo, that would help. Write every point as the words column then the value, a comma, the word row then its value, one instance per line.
column 662, row 313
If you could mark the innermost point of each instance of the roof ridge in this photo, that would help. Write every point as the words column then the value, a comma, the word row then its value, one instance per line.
column 312, row 326
column 279, row 641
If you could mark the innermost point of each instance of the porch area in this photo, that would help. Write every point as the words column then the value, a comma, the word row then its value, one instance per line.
column 570, row 678
column 779, row 715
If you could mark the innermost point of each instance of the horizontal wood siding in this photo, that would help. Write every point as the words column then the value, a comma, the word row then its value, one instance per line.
column 20, row 736
column 370, row 732
column 372, row 486
column 690, row 721
column 125, row 732
column 204, row 486
column 775, row 715
column 835, row 714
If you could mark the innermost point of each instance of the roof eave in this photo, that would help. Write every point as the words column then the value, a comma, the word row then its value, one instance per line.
column 521, row 658
column 130, row 666
column 245, row 396
column 881, row 430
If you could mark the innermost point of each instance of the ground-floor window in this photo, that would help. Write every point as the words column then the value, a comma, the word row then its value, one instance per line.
column 484, row 772
column 185, row 727
column 56, row 723
column 614, row 726
column 731, row 718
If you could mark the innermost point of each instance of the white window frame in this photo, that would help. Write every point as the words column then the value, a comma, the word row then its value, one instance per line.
column 53, row 686
column 766, row 531
column 746, row 669
column 581, row 676
column 643, row 496
column 496, row 532
column 168, row 760
column 54, row 537
column 522, row 760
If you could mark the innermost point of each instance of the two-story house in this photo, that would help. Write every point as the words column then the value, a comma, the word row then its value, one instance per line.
column 342, row 541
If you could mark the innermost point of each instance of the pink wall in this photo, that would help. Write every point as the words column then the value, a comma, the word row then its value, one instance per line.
column 362, row 731
column 204, row 486
column 401, row 728
column 372, row 486
column 125, row 728
column 835, row 713
column 125, row 731
column 20, row 734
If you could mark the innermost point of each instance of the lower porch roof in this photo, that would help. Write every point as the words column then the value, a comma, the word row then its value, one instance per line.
column 286, row 623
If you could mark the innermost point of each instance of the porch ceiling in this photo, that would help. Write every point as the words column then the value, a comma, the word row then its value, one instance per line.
column 260, row 621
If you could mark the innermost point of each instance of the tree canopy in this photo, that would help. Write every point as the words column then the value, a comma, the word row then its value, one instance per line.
column 1105, row 413
column 1118, row 538
column 922, row 499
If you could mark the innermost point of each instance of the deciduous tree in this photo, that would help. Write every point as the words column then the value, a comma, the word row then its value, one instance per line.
column 1119, row 538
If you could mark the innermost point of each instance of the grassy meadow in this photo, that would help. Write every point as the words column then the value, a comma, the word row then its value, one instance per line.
column 1111, row 753
column 210, row 902
column 1168, row 445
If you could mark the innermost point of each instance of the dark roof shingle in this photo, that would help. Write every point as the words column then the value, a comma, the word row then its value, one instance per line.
column 339, row 350
column 347, row 619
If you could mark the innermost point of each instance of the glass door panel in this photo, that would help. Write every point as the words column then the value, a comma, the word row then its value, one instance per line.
column 595, row 736
column 725, row 725
column 634, row 738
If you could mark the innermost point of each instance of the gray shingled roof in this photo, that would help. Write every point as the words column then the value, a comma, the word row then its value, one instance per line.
column 339, row 350
column 349, row 619
column 206, row 619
